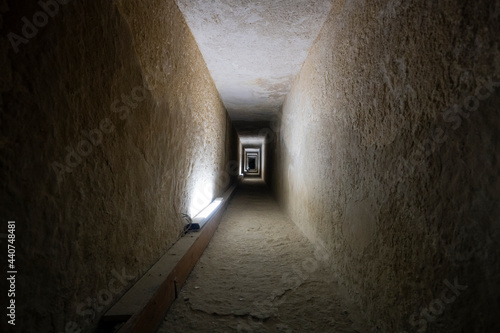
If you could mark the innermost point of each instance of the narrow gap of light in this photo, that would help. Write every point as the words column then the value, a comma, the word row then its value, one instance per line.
column 207, row 211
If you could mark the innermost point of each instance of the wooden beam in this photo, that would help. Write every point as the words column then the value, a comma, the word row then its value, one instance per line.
column 146, row 303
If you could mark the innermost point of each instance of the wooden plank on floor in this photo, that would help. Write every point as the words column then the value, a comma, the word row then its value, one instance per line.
column 146, row 303
column 137, row 297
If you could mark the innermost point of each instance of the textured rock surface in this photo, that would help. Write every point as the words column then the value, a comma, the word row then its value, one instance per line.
column 131, row 69
column 372, row 162
column 260, row 274
column 254, row 49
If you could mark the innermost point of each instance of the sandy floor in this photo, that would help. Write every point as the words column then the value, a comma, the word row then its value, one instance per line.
column 259, row 274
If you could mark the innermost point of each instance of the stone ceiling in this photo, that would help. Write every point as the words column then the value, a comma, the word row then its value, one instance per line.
column 254, row 49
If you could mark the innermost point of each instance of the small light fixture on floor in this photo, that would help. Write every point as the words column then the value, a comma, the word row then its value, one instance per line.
column 202, row 218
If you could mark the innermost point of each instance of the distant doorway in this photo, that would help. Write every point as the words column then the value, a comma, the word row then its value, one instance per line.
column 251, row 163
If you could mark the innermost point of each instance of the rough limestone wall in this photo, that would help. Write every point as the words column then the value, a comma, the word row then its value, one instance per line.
column 388, row 155
column 111, row 127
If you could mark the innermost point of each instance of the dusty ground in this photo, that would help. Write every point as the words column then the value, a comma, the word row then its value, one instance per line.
column 259, row 274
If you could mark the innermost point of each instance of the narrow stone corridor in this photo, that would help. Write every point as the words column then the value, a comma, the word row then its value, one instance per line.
column 259, row 274
column 363, row 137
